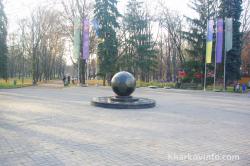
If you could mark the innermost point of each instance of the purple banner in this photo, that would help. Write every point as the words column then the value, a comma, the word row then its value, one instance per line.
column 219, row 40
column 85, row 52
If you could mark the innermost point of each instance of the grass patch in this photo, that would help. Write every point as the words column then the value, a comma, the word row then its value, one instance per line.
column 15, row 83
column 155, row 83
column 94, row 82
column 230, row 89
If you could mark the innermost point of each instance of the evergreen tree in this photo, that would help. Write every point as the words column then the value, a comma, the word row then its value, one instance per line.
column 3, row 45
column 196, row 36
column 106, row 13
column 233, row 9
column 140, row 55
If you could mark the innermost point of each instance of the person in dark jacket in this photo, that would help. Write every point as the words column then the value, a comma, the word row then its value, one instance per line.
column 64, row 80
column 68, row 79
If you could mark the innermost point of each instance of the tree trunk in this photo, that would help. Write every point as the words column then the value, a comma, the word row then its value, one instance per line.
column 104, row 80
column 82, row 70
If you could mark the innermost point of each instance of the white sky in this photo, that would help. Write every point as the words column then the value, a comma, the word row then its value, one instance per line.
column 18, row 9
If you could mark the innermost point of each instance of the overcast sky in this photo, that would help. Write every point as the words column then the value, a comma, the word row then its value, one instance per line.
column 18, row 9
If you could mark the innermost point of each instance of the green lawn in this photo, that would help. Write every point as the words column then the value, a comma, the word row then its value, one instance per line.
column 230, row 89
column 15, row 83
column 28, row 82
column 155, row 83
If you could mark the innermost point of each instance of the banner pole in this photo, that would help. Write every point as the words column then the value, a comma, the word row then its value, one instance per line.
column 209, row 47
column 225, row 59
column 225, row 54
column 215, row 63
column 215, row 67
column 78, row 71
column 228, row 44
column 205, row 76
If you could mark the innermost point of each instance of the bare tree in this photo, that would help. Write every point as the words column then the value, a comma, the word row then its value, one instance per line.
column 172, row 24
column 78, row 9
column 39, row 46
column 245, row 29
column 245, row 22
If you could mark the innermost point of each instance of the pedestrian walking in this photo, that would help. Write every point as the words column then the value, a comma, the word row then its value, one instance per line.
column 244, row 88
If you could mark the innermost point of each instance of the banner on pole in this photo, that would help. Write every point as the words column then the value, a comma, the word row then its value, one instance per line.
column 96, row 26
column 85, row 52
column 219, row 40
column 85, row 44
column 209, row 45
column 228, row 34
column 77, row 38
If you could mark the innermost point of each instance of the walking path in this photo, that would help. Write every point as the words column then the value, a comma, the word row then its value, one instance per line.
column 58, row 126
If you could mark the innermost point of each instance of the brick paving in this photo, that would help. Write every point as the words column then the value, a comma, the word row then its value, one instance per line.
column 58, row 126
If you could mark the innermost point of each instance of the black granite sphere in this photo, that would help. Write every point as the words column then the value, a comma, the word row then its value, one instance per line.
column 123, row 83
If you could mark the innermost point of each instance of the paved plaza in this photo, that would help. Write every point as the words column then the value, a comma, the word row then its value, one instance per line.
column 58, row 126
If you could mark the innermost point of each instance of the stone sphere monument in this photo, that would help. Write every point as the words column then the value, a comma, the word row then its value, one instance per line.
column 123, row 84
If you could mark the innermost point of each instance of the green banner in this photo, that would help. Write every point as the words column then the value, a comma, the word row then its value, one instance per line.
column 228, row 34
column 77, row 38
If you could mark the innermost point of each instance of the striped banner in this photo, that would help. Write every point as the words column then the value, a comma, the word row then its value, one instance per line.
column 209, row 45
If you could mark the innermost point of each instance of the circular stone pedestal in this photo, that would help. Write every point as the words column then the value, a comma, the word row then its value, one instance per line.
column 123, row 84
column 123, row 102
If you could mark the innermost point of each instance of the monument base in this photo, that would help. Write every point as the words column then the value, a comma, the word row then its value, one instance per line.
column 123, row 102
